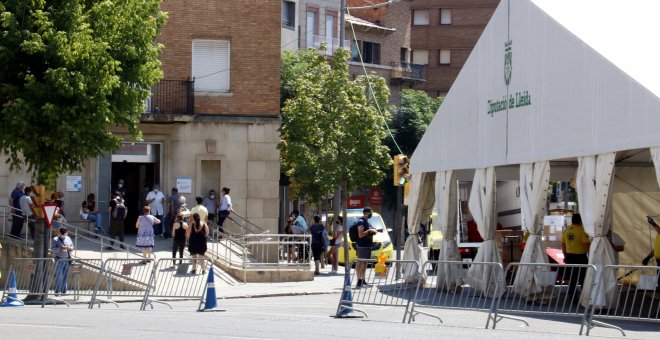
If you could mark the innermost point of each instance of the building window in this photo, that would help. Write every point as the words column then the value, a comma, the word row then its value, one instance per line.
column 403, row 55
column 420, row 57
column 370, row 52
column 211, row 65
column 330, row 29
column 420, row 17
column 444, row 57
column 288, row 14
column 445, row 16
column 355, row 50
column 312, row 27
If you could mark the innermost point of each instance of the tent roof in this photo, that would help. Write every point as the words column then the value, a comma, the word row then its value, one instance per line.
column 584, row 79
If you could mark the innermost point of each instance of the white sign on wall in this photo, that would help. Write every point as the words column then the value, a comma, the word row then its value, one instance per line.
column 184, row 185
column 74, row 183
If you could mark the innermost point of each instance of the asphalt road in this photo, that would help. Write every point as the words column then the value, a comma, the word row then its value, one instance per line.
column 288, row 317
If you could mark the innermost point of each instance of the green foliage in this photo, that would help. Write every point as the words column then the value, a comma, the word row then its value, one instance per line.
column 69, row 70
column 331, row 131
column 409, row 122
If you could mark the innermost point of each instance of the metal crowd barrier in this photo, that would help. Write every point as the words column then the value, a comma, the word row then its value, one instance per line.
column 544, row 289
column 123, row 278
column 178, row 282
column 452, row 290
column 73, row 279
column 381, row 289
column 32, row 279
column 635, row 297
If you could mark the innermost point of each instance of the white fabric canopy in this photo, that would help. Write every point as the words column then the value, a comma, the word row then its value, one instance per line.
column 534, row 178
column 445, row 203
column 420, row 208
column 482, row 206
column 594, row 184
column 655, row 154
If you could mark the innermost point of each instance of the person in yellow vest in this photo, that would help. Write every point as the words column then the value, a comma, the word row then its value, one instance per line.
column 575, row 246
column 656, row 247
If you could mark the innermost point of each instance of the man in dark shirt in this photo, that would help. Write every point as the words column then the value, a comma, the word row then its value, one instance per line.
column 364, row 242
column 17, row 216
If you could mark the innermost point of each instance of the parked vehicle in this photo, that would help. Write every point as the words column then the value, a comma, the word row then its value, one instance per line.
column 382, row 241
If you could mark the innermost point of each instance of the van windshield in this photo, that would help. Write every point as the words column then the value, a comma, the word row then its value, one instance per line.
column 376, row 221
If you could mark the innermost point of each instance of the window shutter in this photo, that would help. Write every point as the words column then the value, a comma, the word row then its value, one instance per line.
column 211, row 65
column 445, row 57
column 420, row 57
column 421, row 17
column 445, row 16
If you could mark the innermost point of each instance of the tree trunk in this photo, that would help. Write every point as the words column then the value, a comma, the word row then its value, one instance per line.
column 39, row 279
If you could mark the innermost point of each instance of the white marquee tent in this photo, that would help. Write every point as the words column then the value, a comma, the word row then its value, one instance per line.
column 550, row 80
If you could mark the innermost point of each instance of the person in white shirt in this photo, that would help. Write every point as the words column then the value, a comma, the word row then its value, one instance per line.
column 27, row 209
column 62, row 247
column 225, row 208
column 155, row 200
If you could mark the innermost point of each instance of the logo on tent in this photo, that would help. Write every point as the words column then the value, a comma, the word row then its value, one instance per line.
column 507, row 62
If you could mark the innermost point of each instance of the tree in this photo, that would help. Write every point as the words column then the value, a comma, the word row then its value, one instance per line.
column 409, row 122
column 69, row 70
column 331, row 130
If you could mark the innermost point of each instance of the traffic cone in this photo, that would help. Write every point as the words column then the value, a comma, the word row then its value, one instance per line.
column 211, row 302
column 346, row 308
column 12, row 299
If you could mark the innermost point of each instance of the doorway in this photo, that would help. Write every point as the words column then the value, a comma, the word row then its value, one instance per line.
column 138, row 164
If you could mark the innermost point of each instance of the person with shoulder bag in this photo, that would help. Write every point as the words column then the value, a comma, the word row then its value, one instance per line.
column 62, row 247
column 179, row 231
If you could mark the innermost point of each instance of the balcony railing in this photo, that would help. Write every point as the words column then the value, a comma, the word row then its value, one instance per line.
column 331, row 44
column 405, row 71
column 175, row 97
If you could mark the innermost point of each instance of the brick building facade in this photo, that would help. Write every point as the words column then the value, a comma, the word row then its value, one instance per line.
column 212, row 121
column 444, row 32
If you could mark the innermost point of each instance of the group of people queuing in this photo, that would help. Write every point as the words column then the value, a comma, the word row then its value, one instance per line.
column 325, row 244
column 24, row 210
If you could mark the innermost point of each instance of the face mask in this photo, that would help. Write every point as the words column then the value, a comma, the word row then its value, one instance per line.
column 155, row 189
column 120, row 185
column 63, row 236
column 370, row 215
column 212, row 197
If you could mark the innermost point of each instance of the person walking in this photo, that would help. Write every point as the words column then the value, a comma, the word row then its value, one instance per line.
column 27, row 208
column 365, row 241
column 224, row 209
column 211, row 203
column 575, row 246
column 335, row 243
column 172, row 210
column 179, row 231
column 197, row 234
column 62, row 247
column 155, row 200
column 317, row 230
column 118, row 211
column 15, row 204
column 90, row 212
column 145, row 226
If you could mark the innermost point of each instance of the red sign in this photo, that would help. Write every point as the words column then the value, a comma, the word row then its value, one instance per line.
column 355, row 202
column 375, row 196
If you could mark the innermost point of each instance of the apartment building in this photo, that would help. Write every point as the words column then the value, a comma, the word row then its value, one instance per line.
column 443, row 34
column 212, row 121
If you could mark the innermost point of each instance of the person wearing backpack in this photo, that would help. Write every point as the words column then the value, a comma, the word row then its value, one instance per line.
column 118, row 212
column 317, row 230
column 364, row 238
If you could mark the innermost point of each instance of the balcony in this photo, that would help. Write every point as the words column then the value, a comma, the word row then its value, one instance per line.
column 408, row 72
column 172, row 97
column 331, row 44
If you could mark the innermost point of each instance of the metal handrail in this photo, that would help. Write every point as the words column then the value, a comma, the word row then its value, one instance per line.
column 246, row 223
column 77, row 233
